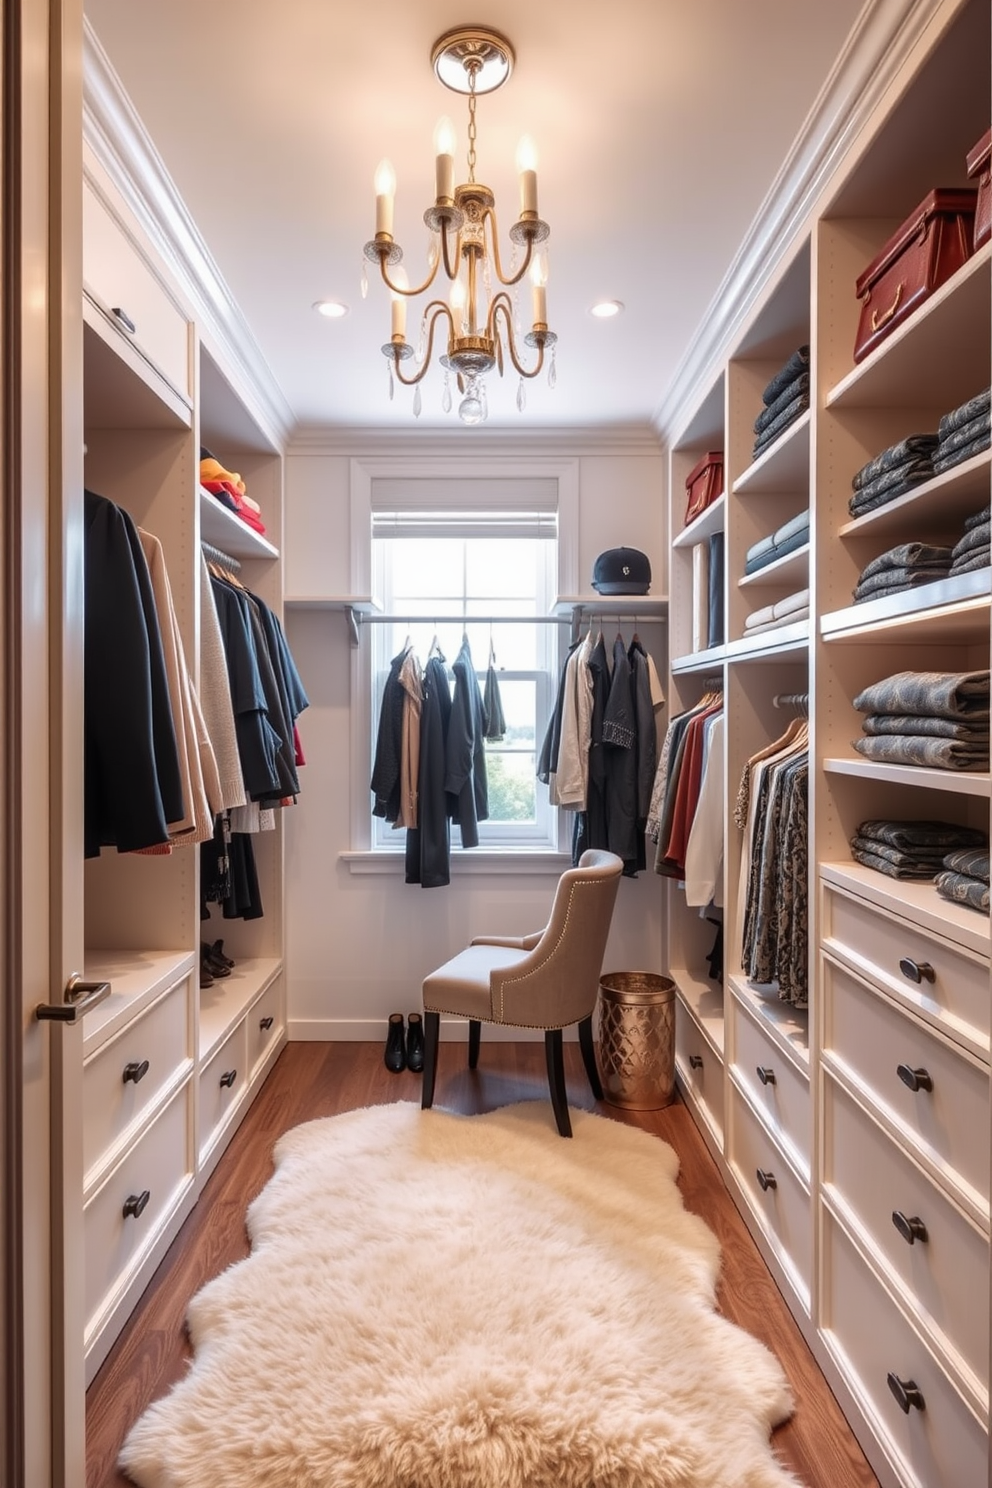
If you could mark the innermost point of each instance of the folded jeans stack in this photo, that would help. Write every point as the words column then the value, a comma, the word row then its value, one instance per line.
column 892, row 473
column 973, row 549
column 963, row 432
column 935, row 719
column 785, row 399
column 784, row 612
column 911, row 849
column 786, row 539
column 965, row 879
column 902, row 567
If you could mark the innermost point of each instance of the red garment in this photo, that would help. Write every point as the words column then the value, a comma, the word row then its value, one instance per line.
column 230, row 491
column 687, row 788
column 298, row 746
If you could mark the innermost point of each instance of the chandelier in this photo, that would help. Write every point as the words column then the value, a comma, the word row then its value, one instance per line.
column 480, row 319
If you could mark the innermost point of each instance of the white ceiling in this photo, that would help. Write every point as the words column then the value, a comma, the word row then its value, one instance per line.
column 660, row 126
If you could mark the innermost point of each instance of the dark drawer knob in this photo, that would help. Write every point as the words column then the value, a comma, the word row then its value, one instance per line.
column 134, row 1204
column 228, row 1078
column 911, row 1228
column 907, row 1393
column 265, row 1023
column 914, row 1079
column 695, row 1061
column 766, row 1076
column 766, row 1180
column 124, row 318
column 135, row 1071
column 917, row 971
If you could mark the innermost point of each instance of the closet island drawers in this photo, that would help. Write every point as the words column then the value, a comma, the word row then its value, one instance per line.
column 701, row 1069
column 777, row 1196
column 933, row 1094
column 936, row 1437
column 223, row 1081
column 772, row 1082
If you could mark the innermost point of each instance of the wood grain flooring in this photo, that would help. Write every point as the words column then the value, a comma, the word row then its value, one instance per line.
column 312, row 1080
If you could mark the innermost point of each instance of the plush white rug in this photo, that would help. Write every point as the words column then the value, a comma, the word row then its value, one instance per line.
column 439, row 1301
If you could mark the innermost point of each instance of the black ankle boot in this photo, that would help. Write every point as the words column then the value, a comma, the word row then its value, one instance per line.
column 395, row 1056
column 415, row 1042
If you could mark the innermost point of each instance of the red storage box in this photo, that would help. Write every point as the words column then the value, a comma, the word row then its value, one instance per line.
column 703, row 484
column 979, row 163
column 931, row 245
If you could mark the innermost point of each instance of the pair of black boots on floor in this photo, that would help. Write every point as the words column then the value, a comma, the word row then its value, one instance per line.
column 405, row 1046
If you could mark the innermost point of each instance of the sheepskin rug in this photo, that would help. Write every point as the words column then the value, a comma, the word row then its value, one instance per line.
column 441, row 1301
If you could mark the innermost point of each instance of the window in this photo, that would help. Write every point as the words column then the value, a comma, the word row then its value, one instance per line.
column 434, row 570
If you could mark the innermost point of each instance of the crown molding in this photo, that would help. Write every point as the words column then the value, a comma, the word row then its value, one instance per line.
column 363, row 441
column 120, row 143
column 883, row 38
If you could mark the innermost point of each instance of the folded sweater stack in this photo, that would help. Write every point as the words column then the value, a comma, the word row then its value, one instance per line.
column 786, row 539
column 784, row 612
column 965, row 878
column 229, row 489
column 963, row 432
column 892, row 473
column 935, row 719
column 973, row 549
column 903, row 567
column 912, row 849
column 785, row 399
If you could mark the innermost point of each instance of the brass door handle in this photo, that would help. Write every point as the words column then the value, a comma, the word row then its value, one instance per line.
column 79, row 997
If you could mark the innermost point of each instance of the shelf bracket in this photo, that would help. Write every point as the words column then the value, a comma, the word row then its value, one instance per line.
column 353, row 624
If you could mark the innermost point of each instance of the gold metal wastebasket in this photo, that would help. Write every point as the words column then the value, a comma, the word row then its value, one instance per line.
column 637, row 1039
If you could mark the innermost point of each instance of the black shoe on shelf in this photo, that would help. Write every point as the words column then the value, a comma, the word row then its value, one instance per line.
column 217, row 954
column 415, row 1042
column 395, row 1056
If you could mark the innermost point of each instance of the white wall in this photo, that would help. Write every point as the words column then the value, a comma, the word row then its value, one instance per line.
column 358, row 946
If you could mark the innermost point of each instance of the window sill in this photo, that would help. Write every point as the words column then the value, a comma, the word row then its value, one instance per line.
column 472, row 862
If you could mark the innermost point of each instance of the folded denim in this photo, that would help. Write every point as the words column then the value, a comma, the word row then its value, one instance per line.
column 970, row 860
column 977, row 558
column 771, row 412
column 932, row 858
column 780, row 550
column 958, row 457
column 978, row 519
column 959, row 695
column 896, row 580
column 798, row 523
column 911, row 448
column 908, row 555
column 923, row 835
column 961, row 889
column 781, row 422
column 966, row 434
column 797, row 364
column 918, row 749
column 914, row 723
column 871, row 499
column 965, row 412
column 974, row 537
column 882, row 865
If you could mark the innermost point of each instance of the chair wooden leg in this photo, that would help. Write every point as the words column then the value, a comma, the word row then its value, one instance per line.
column 556, row 1080
column 589, row 1057
column 474, row 1039
column 432, row 1028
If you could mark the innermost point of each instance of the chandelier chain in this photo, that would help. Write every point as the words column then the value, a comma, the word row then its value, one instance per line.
column 472, row 68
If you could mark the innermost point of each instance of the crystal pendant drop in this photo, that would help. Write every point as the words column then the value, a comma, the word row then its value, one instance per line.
column 470, row 409
column 365, row 280
column 392, row 385
column 484, row 400
column 422, row 344
column 521, row 396
column 446, row 395
column 417, row 403
column 552, row 370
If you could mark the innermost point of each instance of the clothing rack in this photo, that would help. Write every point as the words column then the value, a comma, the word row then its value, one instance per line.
column 797, row 700
column 216, row 555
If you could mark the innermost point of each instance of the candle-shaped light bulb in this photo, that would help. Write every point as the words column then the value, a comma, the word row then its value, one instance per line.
column 399, row 304
column 385, row 192
column 444, row 158
column 527, row 169
column 539, row 279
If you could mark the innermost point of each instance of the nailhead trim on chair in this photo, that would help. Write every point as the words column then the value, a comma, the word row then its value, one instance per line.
column 513, row 981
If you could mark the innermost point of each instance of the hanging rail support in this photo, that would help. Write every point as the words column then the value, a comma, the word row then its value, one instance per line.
column 353, row 624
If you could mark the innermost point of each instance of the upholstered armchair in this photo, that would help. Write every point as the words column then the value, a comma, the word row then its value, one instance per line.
column 548, row 980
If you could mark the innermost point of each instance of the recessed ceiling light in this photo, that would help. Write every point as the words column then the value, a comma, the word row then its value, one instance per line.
column 333, row 309
column 606, row 309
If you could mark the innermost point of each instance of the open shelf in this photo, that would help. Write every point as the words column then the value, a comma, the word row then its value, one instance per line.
column 786, row 1025
column 932, row 506
column 709, row 521
column 224, row 529
column 699, row 661
column 782, row 640
column 222, row 1004
column 947, row 610
column 705, row 1001
column 781, row 468
column 792, row 568
column 916, row 901
column 956, row 782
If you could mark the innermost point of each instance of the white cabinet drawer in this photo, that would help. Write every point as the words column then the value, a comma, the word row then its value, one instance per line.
column 949, row 983
column 774, row 1193
column 222, row 1084
column 120, row 1224
column 940, row 1446
column 873, row 1040
column 265, row 1024
column 944, row 1266
column 773, row 1083
column 127, row 1075
column 701, row 1070
column 118, row 280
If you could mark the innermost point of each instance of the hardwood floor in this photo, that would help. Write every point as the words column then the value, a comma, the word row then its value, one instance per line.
column 312, row 1080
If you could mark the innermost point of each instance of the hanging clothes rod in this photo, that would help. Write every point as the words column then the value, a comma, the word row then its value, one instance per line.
column 439, row 619
column 216, row 555
column 797, row 700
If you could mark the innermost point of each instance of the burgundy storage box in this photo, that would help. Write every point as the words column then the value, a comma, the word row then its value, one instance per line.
column 703, row 484
column 931, row 245
column 980, row 165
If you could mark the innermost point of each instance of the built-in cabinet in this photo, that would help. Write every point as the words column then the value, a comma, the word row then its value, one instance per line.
column 168, row 1068
column 854, row 1133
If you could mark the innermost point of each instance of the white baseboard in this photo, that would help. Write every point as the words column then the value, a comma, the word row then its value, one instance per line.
column 373, row 1030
